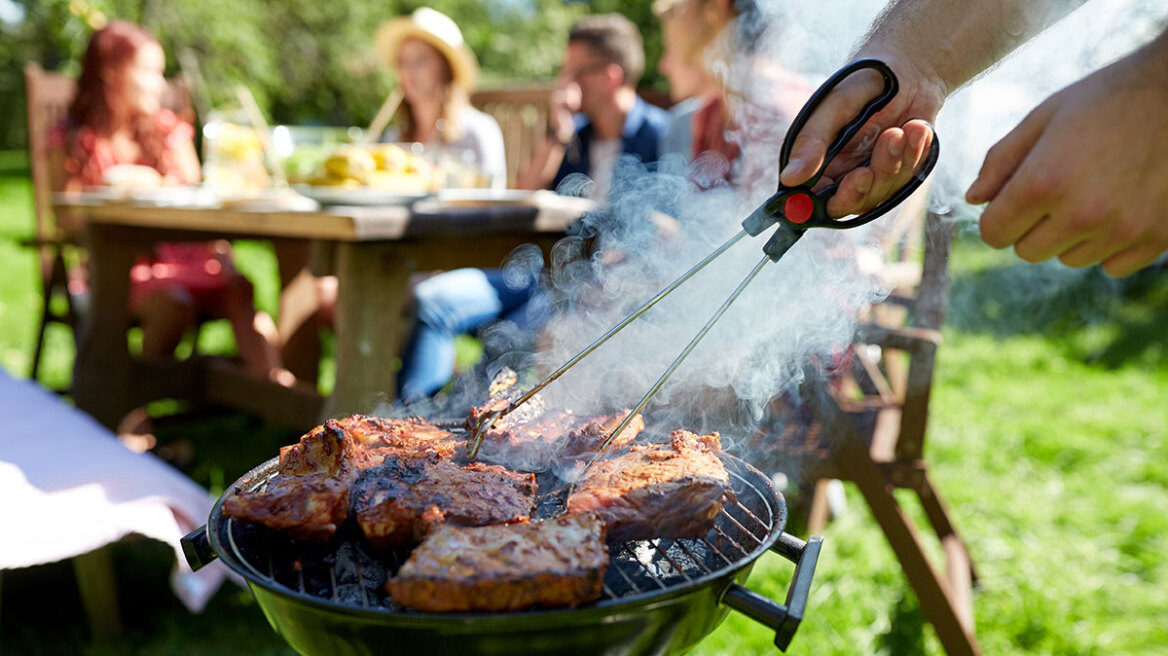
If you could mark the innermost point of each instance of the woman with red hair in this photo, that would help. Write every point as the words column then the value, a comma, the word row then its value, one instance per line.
column 117, row 132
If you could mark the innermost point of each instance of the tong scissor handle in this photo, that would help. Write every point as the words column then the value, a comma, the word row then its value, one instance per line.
column 851, row 128
column 800, row 207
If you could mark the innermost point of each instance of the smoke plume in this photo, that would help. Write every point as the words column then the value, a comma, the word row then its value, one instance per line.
column 659, row 223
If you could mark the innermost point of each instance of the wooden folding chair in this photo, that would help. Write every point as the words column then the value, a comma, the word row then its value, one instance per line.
column 48, row 96
column 866, row 425
column 522, row 114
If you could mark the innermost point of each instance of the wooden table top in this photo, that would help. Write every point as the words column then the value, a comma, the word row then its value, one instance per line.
column 544, row 212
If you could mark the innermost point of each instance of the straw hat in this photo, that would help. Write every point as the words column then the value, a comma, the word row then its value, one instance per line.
column 436, row 29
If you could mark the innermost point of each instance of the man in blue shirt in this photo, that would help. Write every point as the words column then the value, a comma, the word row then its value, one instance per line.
column 595, row 114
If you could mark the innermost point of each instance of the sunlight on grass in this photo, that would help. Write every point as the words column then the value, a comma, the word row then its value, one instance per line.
column 1054, row 472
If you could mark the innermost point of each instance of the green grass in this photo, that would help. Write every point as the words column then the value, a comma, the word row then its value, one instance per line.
column 1047, row 435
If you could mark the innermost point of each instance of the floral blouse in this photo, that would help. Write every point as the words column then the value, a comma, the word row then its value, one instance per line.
column 88, row 156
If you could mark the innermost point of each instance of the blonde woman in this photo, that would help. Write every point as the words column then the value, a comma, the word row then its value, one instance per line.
column 437, row 73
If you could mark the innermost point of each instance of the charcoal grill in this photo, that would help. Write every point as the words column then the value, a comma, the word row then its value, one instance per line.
column 659, row 596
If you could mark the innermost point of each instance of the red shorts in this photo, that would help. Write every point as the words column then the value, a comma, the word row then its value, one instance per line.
column 194, row 267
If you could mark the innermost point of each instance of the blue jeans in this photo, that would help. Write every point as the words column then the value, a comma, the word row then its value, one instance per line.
column 458, row 302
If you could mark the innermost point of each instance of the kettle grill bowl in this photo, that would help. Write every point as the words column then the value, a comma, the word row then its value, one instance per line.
column 660, row 596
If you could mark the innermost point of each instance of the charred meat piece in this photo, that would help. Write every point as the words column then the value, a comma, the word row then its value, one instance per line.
column 657, row 491
column 555, row 562
column 400, row 501
column 533, row 438
column 308, row 498
column 380, row 437
column 539, row 443
column 504, row 391
column 583, row 440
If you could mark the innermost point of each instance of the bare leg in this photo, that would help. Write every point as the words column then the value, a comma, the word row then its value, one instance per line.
column 165, row 317
column 302, row 349
column 255, row 332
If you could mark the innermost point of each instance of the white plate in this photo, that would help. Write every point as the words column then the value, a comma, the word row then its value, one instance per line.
column 358, row 195
column 268, row 200
column 487, row 196
column 172, row 197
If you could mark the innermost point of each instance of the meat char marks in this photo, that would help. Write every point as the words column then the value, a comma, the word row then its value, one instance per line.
column 657, row 491
column 532, row 438
column 554, row 562
column 400, row 501
column 308, row 498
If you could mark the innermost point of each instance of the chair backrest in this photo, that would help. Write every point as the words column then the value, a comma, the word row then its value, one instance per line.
column 928, row 314
column 48, row 96
column 522, row 114
column 909, row 322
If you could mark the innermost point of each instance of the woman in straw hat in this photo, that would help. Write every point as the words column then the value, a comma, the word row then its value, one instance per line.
column 437, row 72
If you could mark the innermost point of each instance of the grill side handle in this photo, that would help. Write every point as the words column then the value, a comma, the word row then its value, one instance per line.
column 784, row 619
column 197, row 548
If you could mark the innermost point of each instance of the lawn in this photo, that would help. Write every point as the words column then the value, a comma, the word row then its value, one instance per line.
column 1047, row 437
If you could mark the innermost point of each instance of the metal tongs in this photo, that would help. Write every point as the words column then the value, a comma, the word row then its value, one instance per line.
column 794, row 209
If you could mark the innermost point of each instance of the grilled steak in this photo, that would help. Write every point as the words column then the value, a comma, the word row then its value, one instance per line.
column 380, row 437
column 533, row 438
column 555, row 562
column 401, row 500
column 657, row 491
column 587, row 436
column 308, row 498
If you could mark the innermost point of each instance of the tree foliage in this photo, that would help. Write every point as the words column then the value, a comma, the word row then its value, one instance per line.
column 306, row 61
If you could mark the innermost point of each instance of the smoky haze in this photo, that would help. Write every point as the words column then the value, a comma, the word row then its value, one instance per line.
column 805, row 306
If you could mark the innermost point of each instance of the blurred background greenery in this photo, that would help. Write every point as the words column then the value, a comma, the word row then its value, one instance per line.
column 307, row 62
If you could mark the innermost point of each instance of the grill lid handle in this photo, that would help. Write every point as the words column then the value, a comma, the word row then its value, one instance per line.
column 784, row 619
column 196, row 546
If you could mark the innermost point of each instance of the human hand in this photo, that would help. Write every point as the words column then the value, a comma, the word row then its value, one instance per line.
column 896, row 139
column 1083, row 177
column 563, row 103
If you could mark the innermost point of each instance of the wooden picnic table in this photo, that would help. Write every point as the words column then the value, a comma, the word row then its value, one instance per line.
column 377, row 249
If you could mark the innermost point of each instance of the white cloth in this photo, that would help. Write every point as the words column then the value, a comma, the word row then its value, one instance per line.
column 67, row 487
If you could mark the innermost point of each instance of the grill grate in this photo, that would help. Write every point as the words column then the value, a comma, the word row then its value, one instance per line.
column 348, row 572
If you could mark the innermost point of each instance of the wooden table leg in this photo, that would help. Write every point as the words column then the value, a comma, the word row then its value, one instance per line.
column 373, row 281
column 98, row 588
column 103, row 368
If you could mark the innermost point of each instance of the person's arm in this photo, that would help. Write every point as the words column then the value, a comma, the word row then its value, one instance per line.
column 934, row 47
column 493, row 153
column 59, row 177
column 189, row 171
column 548, row 156
column 1083, row 176
column 541, row 170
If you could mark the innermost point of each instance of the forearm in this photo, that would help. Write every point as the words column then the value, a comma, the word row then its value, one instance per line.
column 541, row 170
column 955, row 40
